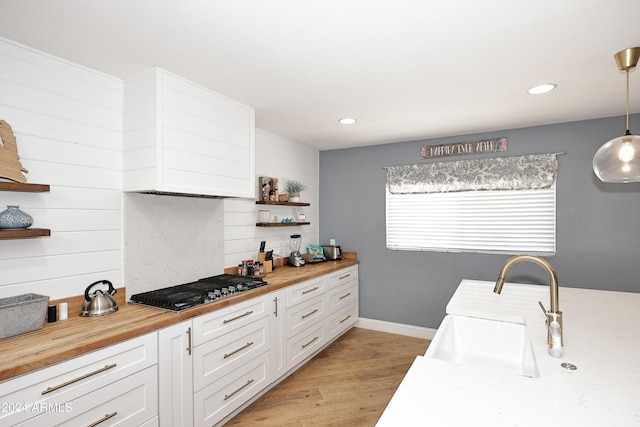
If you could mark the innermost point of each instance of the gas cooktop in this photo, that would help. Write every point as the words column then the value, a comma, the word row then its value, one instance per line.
column 188, row 295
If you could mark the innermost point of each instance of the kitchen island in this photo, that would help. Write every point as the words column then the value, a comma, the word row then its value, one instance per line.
column 602, row 340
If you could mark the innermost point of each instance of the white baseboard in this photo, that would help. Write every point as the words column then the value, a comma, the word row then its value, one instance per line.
column 396, row 328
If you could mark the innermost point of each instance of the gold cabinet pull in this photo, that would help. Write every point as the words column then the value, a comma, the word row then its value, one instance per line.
column 310, row 290
column 345, row 319
column 344, row 296
column 189, row 340
column 59, row 386
column 249, row 344
column 344, row 277
column 229, row 396
column 304, row 316
column 103, row 419
column 238, row 317
column 310, row 342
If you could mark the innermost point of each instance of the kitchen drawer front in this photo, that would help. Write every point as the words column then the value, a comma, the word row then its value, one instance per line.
column 342, row 276
column 305, row 291
column 131, row 401
column 216, row 401
column 304, row 344
column 302, row 316
column 216, row 358
column 77, row 377
column 219, row 322
column 343, row 295
column 341, row 320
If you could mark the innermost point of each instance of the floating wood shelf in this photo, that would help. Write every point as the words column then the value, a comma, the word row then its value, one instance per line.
column 260, row 202
column 280, row 224
column 24, row 187
column 24, row 233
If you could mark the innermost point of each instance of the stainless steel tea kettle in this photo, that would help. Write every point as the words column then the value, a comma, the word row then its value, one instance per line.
column 99, row 303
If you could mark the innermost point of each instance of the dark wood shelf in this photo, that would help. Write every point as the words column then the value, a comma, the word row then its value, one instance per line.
column 24, row 187
column 24, row 233
column 262, row 202
column 280, row 224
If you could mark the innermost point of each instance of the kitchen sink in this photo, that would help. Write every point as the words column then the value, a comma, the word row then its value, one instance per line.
column 484, row 343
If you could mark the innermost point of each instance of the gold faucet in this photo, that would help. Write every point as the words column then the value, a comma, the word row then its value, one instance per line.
column 554, row 309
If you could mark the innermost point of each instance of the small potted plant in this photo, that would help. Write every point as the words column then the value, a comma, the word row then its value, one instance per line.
column 294, row 188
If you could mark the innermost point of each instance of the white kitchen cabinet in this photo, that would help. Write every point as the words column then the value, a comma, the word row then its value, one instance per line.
column 278, row 326
column 220, row 398
column 175, row 378
column 216, row 358
column 305, row 314
column 231, row 358
column 217, row 323
column 62, row 390
column 131, row 401
column 180, row 137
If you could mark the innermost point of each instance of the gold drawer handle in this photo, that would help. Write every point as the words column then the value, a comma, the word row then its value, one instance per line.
column 345, row 319
column 344, row 277
column 304, row 316
column 238, row 317
column 310, row 290
column 103, row 419
column 344, row 296
column 59, row 386
column 310, row 342
column 229, row 396
column 249, row 344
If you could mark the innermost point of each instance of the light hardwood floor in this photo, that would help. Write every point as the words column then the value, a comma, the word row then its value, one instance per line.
column 347, row 384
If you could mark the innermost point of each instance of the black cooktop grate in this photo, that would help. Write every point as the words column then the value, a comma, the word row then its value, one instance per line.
column 187, row 295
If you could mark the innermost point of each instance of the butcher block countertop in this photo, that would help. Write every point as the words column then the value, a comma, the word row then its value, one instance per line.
column 65, row 339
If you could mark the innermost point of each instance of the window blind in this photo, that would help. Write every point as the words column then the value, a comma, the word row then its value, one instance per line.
column 507, row 221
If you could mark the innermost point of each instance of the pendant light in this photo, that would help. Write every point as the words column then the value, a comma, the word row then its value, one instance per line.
column 619, row 159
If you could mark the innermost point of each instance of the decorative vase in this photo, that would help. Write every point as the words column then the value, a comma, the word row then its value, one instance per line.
column 294, row 197
column 14, row 218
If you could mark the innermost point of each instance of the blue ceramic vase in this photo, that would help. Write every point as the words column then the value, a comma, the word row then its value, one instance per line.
column 14, row 218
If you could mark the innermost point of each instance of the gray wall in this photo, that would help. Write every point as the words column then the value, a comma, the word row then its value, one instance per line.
column 598, row 227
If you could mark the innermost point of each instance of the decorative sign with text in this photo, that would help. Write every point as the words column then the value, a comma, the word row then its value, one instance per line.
column 494, row 145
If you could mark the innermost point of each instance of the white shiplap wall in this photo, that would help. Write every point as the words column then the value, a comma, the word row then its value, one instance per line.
column 68, row 123
column 281, row 158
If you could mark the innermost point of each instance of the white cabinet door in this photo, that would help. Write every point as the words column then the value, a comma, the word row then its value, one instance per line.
column 175, row 375
column 278, row 334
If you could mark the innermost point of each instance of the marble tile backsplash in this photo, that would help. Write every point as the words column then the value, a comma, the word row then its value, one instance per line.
column 171, row 240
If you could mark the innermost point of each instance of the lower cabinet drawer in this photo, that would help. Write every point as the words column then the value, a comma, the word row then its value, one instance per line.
column 216, row 358
column 212, row 325
column 69, row 380
column 303, row 315
column 305, row 344
column 131, row 401
column 341, row 320
column 216, row 401
column 343, row 295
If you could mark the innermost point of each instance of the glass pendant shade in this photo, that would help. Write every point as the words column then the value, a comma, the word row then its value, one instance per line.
column 618, row 160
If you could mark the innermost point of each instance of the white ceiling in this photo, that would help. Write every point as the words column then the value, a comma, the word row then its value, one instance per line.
column 406, row 69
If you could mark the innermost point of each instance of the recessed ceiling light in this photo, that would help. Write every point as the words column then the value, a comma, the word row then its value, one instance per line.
column 347, row 121
column 544, row 88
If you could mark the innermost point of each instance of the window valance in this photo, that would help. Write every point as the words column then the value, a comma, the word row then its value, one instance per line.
column 529, row 172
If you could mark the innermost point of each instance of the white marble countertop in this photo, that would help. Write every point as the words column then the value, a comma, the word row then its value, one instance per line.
column 601, row 337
